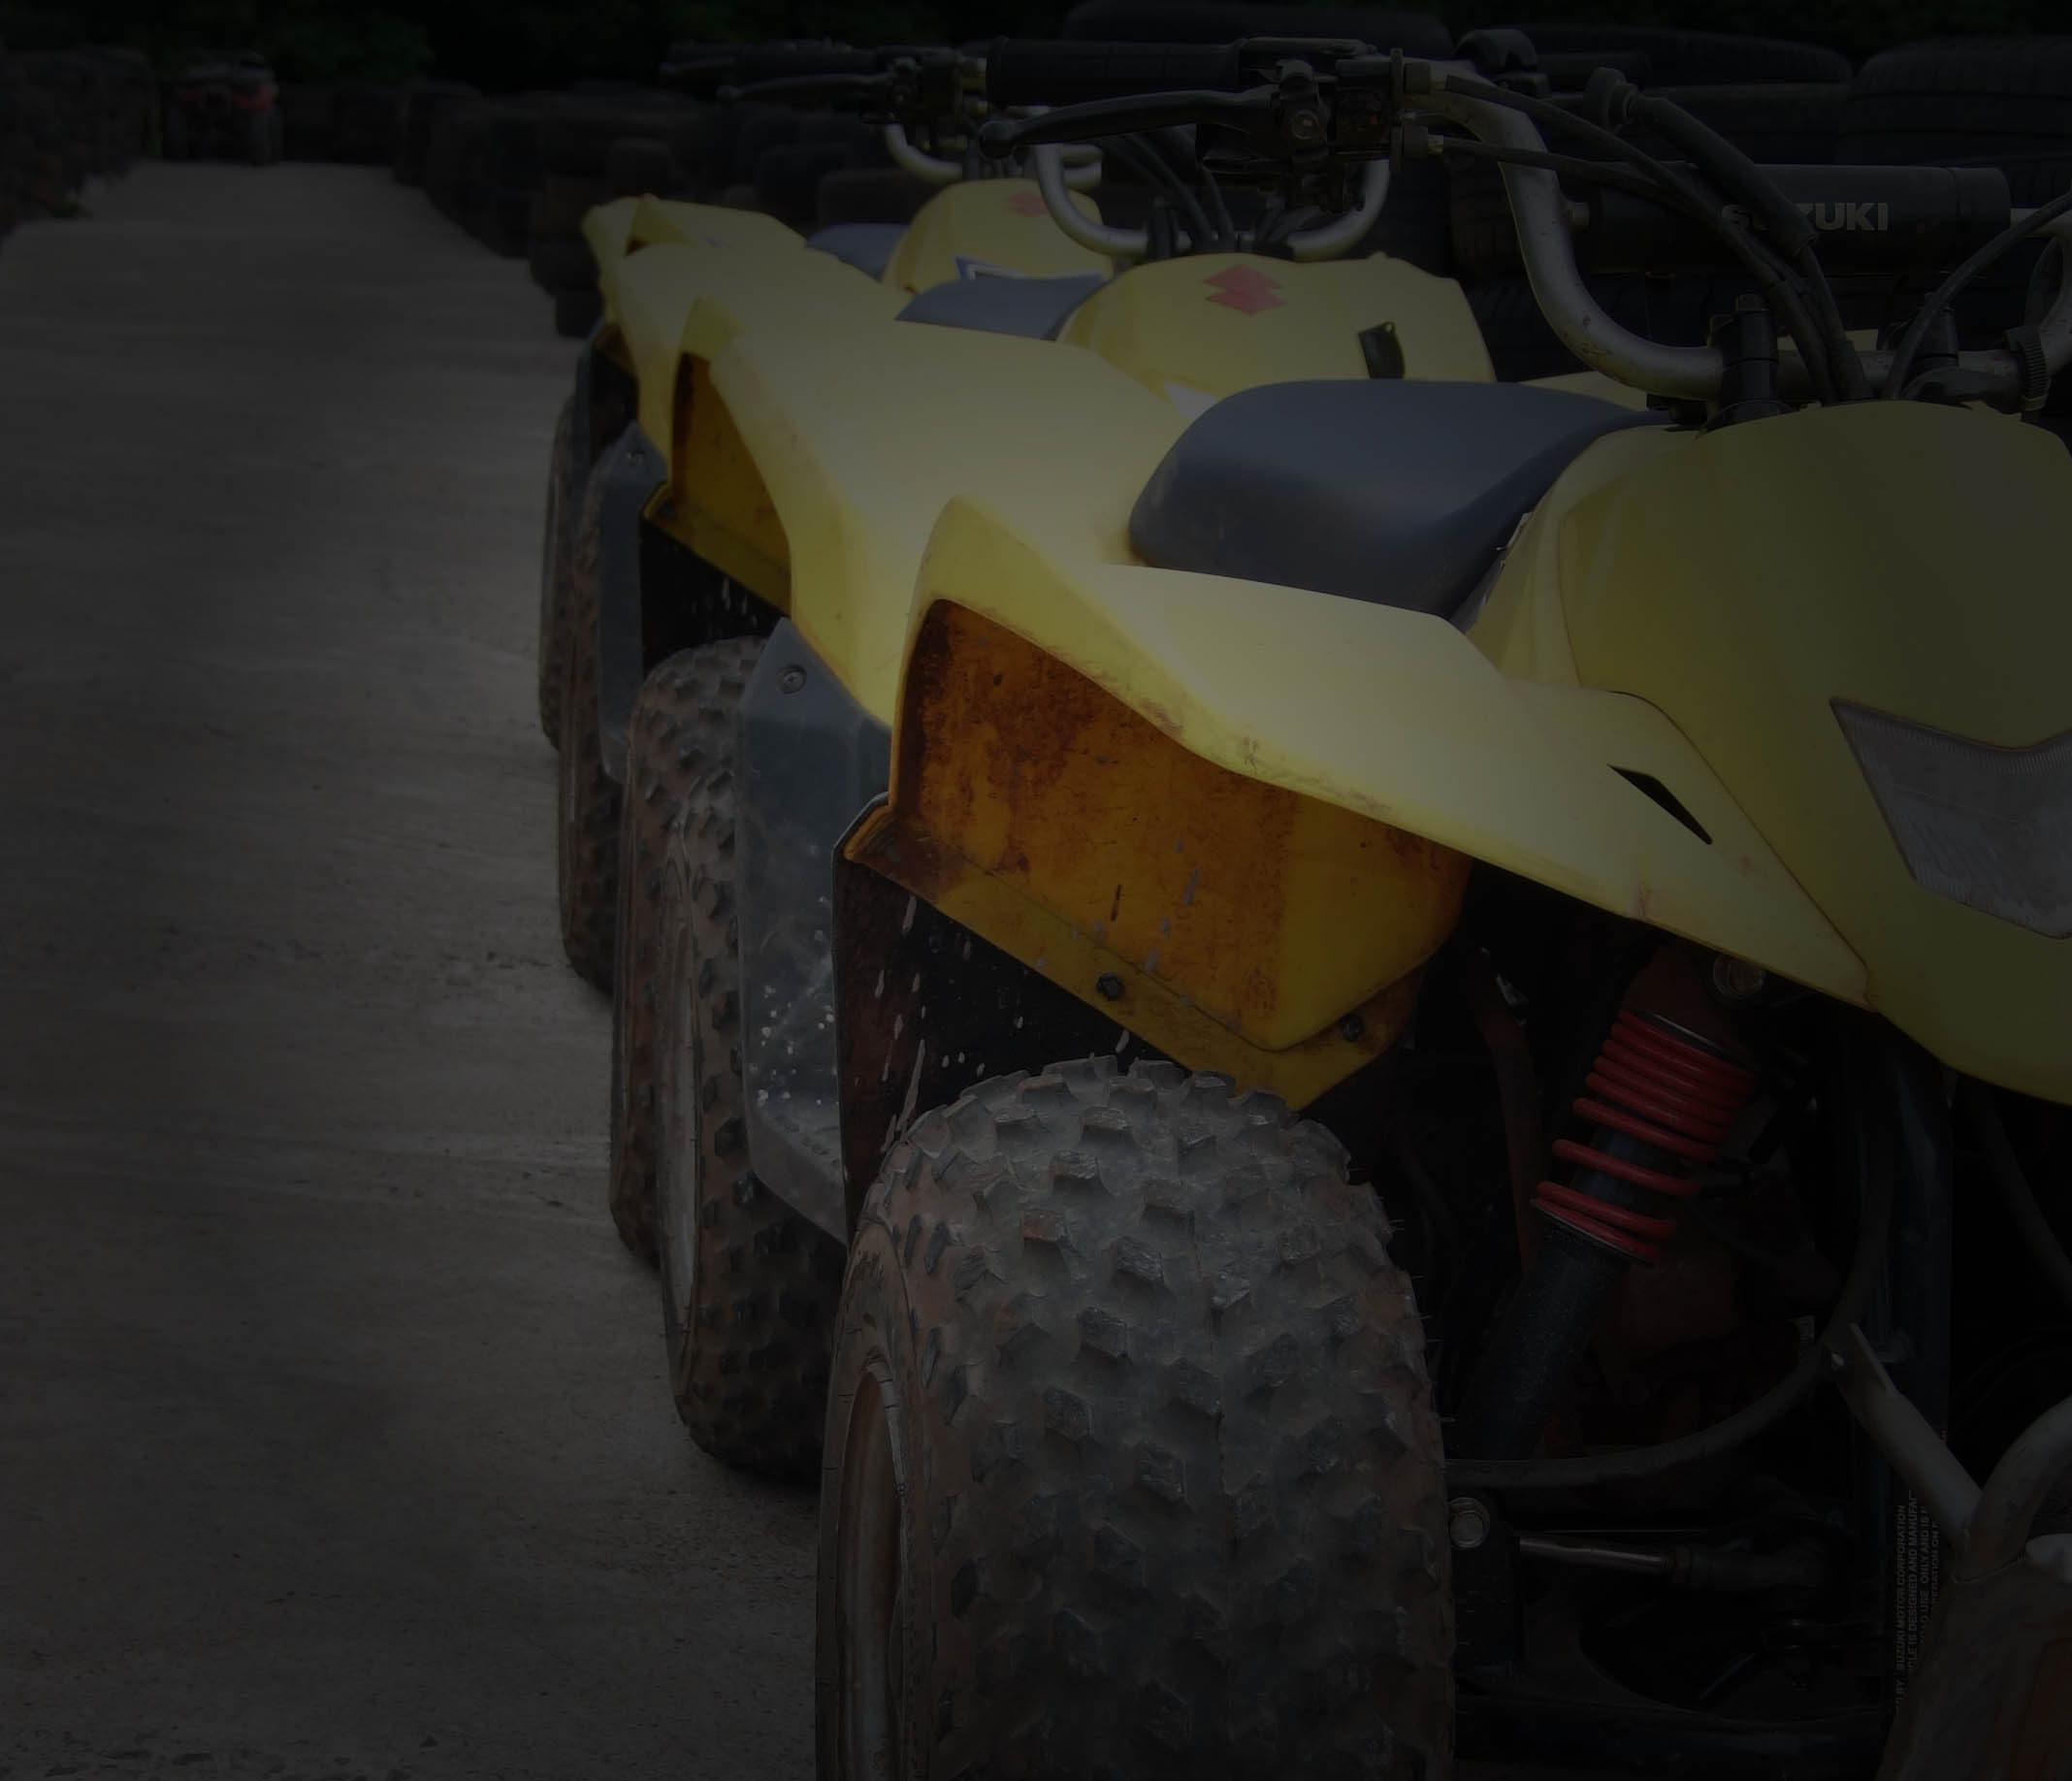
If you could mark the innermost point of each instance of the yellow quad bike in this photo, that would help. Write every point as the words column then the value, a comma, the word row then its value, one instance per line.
column 651, row 574
column 1369, row 996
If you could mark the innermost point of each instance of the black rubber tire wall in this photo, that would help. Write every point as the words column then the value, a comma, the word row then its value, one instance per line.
column 749, row 1344
column 1176, row 1502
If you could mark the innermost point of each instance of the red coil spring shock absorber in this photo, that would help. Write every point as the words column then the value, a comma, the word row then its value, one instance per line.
column 1659, row 1086
column 1660, row 1099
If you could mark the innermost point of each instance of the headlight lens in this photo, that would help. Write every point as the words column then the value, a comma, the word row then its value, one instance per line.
column 1990, row 827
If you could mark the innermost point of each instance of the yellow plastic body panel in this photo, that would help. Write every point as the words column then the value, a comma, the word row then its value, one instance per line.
column 1523, row 627
column 1900, row 556
column 606, row 227
column 1680, row 606
column 1020, row 514
column 1219, row 323
column 706, row 225
column 674, row 301
column 626, row 225
column 1397, row 716
column 987, row 222
column 863, row 433
column 1029, row 797
column 715, row 502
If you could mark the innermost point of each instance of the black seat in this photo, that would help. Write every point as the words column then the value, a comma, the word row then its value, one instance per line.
column 1402, row 493
column 866, row 246
column 1033, row 308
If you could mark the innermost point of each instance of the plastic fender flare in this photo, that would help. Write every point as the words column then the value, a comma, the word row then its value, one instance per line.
column 635, row 473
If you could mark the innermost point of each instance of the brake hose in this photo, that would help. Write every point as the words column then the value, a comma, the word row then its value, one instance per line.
column 1940, row 298
column 1735, row 171
column 1777, row 280
column 1151, row 166
column 1177, row 151
column 1872, row 1234
column 1759, row 261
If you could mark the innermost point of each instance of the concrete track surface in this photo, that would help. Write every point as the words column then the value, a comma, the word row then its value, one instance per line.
column 333, row 1440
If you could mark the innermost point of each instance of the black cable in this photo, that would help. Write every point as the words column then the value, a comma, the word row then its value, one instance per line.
column 1178, row 148
column 1151, row 166
column 1213, row 189
column 1761, row 262
column 1764, row 267
column 1172, row 149
column 1601, row 173
column 1941, row 297
column 2044, row 277
column 1733, row 168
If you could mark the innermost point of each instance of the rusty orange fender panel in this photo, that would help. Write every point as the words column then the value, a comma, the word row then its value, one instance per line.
column 1397, row 717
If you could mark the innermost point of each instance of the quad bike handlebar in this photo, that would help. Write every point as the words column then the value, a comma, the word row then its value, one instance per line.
column 1024, row 73
column 704, row 72
column 1545, row 224
column 1302, row 109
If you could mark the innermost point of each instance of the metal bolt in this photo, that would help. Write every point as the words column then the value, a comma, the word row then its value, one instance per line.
column 1735, row 979
column 791, row 680
column 1467, row 1523
column 1350, row 1028
column 1110, row 985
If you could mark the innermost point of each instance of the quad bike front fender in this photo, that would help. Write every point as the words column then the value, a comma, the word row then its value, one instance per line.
column 844, row 445
column 625, row 225
column 1759, row 583
column 674, row 302
column 1292, row 785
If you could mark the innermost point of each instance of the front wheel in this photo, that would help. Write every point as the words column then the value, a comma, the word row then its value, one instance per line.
column 748, row 1286
column 1131, row 1465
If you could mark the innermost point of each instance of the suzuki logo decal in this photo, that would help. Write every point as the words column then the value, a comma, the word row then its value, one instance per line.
column 1845, row 215
column 1028, row 203
column 1868, row 217
column 1244, row 289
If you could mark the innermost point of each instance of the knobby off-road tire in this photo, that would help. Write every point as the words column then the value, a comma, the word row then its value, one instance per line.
column 587, row 814
column 1131, row 1464
column 564, row 494
column 683, row 728
column 749, row 1290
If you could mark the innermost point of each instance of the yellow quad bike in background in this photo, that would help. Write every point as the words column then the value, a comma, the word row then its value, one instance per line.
column 1369, row 996
column 659, row 560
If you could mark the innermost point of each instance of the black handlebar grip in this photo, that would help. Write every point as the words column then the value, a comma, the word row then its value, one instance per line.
column 760, row 63
column 1020, row 72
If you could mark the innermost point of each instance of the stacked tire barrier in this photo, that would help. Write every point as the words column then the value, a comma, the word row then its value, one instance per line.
column 520, row 173
column 353, row 121
column 66, row 117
